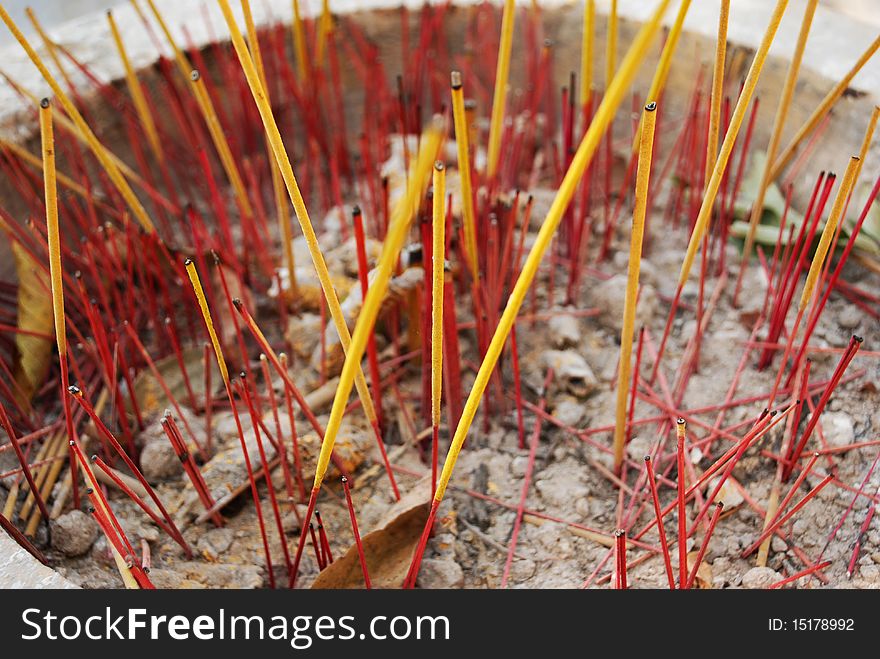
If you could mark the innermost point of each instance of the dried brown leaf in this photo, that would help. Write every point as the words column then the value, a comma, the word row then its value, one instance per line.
column 33, row 353
column 388, row 550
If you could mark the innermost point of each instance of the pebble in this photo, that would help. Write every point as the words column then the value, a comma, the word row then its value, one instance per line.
column 778, row 544
column 838, row 428
column 518, row 466
column 73, row 533
column 439, row 573
column 158, row 461
column 727, row 494
column 563, row 330
column 572, row 371
column 869, row 573
column 609, row 298
column 849, row 317
column 760, row 577
column 569, row 411
column 216, row 541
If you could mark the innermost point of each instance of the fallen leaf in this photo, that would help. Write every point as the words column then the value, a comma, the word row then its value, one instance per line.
column 33, row 353
column 703, row 579
column 388, row 550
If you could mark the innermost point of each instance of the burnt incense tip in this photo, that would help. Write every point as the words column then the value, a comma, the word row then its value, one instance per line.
column 236, row 302
column 647, row 458
column 455, row 79
column 650, row 107
column 73, row 390
column 89, row 490
column 344, row 480
column 719, row 505
column 356, row 210
column 215, row 256
column 187, row 261
column 93, row 457
column 439, row 166
column 773, row 413
column 70, row 443
column 195, row 75
column 857, row 338
column 242, row 375
column 680, row 421
column 90, row 510
column 44, row 103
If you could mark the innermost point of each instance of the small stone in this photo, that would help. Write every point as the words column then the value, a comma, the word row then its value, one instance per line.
column 216, row 541
column 440, row 574
column 778, row 544
column 869, row 573
column 73, row 533
column 563, row 330
column 727, row 494
column 569, row 411
column 291, row 522
column 522, row 569
column 609, row 297
column 518, row 466
column 159, row 462
column 849, row 317
column 838, row 428
column 572, row 371
column 760, row 577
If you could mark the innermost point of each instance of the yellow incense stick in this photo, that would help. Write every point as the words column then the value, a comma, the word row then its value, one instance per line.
column 49, row 45
column 325, row 26
column 736, row 120
column 643, row 176
column 278, row 192
column 604, row 114
column 820, row 112
column 137, row 93
column 825, row 241
column 112, row 169
column 464, row 173
column 53, row 238
column 209, row 114
column 717, row 88
column 501, row 75
column 399, row 227
column 588, row 40
column 299, row 206
column 209, row 323
column 299, row 42
column 776, row 133
column 438, row 248
column 611, row 45
column 661, row 73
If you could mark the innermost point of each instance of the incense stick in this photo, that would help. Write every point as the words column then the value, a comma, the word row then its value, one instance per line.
column 776, row 136
column 646, row 147
column 438, row 247
column 500, row 97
